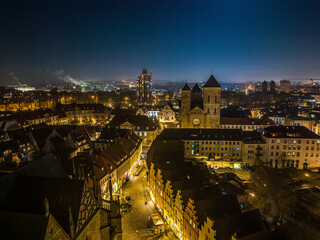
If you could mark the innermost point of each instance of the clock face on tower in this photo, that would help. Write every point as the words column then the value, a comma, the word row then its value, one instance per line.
column 196, row 121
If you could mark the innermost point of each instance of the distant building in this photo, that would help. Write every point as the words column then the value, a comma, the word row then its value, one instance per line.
column 201, row 108
column 144, row 87
column 279, row 119
column 167, row 114
column 83, row 113
column 299, row 121
column 285, row 86
column 272, row 87
column 150, row 111
column 264, row 87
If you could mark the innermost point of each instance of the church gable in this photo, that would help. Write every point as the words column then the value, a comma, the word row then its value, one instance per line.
column 197, row 111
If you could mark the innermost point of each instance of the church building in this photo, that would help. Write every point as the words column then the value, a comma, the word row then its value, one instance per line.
column 200, row 108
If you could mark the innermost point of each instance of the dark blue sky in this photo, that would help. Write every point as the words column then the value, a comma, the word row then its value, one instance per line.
column 176, row 40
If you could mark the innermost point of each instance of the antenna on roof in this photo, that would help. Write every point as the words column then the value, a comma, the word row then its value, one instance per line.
column 211, row 71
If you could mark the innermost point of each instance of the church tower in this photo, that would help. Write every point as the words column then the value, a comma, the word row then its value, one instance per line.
column 212, row 103
column 185, row 106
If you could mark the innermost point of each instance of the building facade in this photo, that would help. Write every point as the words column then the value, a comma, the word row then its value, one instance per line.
column 167, row 114
column 220, row 147
column 201, row 108
column 285, row 86
column 291, row 146
column 144, row 87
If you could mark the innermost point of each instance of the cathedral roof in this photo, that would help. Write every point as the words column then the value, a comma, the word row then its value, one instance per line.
column 196, row 88
column 186, row 87
column 196, row 104
column 212, row 82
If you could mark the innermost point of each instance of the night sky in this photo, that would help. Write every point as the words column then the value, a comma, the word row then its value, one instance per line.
column 176, row 40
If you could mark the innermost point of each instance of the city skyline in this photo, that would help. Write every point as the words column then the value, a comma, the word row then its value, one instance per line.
column 177, row 41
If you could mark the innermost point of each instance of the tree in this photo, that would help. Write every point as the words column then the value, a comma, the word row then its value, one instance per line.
column 272, row 194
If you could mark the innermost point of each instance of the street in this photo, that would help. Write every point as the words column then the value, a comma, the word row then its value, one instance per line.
column 135, row 222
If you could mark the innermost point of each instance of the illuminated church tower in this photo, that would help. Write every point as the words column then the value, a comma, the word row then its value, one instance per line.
column 201, row 108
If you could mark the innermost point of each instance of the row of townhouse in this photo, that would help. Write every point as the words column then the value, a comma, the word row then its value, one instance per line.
column 191, row 203
column 116, row 163
column 278, row 146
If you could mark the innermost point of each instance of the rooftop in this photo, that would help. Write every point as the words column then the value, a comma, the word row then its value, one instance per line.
column 246, row 121
column 140, row 121
column 212, row 82
column 289, row 132
column 199, row 134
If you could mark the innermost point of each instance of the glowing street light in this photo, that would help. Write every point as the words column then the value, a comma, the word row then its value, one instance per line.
column 252, row 194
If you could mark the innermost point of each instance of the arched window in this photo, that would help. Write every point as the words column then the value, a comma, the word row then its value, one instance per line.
column 215, row 98
column 215, row 110
column 208, row 100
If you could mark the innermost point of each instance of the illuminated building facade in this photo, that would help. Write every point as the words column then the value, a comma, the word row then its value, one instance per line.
column 144, row 87
column 201, row 108
column 117, row 162
column 221, row 147
column 84, row 113
column 291, row 146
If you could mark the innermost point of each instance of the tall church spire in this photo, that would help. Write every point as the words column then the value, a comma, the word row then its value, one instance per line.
column 212, row 82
